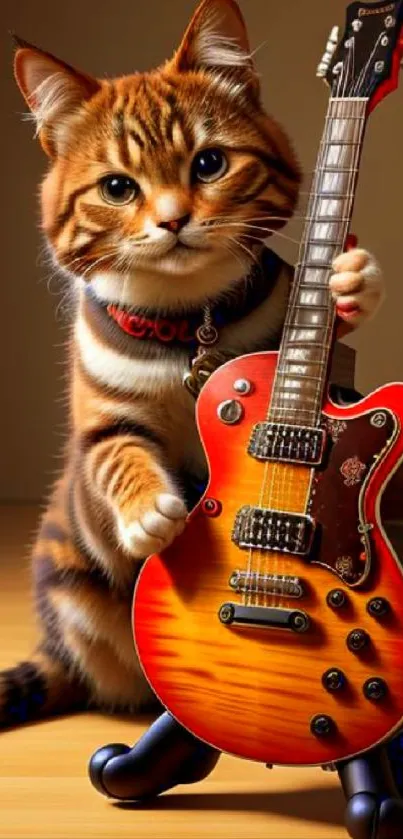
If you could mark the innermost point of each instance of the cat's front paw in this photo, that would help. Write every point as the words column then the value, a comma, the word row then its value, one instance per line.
column 357, row 286
column 155, row 527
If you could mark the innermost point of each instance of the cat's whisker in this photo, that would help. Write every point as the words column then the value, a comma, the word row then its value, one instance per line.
column 92, row 265
column 250, row 253
column 270, row 231
column 239, row 257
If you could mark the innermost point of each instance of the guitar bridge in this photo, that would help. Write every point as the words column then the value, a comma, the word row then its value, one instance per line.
column 293, row 620
column 251, row 582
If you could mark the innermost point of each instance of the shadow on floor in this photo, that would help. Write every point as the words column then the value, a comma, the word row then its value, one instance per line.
column 325, row 806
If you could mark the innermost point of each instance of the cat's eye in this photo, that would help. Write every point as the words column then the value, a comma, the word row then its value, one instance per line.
column 118, row 189
column 209, row 165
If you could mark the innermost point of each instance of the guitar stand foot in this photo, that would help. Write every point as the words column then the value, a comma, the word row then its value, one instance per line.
column 166, row 755
column 374, row 806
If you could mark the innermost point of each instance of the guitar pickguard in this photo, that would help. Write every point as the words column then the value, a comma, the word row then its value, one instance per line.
column 343, row 537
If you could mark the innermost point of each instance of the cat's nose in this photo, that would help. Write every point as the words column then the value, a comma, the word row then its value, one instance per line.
column 175, row 224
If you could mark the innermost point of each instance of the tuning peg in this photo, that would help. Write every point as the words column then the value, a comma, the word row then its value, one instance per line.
column 331, row 45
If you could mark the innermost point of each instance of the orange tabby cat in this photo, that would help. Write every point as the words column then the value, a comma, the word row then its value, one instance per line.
column 161, row 189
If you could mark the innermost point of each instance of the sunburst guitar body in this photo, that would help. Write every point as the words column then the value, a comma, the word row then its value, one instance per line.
column 258, row 691
column 273, row 627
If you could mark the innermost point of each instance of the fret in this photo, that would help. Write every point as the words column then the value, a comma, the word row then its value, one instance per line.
column 340, row 143
column 339, row 196
column 324, row 265
column 306, row 284
column 322, row 306
column 327, row 219
column 283, row 409
column 333, row 242
column 342, row 170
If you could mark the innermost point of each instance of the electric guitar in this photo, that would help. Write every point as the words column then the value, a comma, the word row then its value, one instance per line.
column 272, row 628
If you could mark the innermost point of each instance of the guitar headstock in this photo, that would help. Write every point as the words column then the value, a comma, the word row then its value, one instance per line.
column 365, row 63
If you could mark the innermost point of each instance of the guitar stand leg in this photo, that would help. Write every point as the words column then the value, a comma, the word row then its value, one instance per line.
column 374, row 806
column 164, row 756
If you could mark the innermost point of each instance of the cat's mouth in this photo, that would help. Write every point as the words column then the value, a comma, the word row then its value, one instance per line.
column 183, row 247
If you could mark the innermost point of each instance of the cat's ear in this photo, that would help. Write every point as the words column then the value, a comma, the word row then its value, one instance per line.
column 216, row 40
column 52, row 89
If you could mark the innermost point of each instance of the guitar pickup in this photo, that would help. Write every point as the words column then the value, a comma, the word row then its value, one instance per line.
column 287, row 443
column 272, row 530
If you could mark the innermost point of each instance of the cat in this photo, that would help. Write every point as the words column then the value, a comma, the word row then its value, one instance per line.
column 162, row 187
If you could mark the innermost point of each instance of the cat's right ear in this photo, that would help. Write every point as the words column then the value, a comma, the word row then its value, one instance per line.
column 216, row 41
column 52, row 89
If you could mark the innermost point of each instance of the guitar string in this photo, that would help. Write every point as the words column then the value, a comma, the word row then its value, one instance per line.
column 325, row 329
column 339, row 114
column 360, row 123
column 316, row 196
column 275, row 468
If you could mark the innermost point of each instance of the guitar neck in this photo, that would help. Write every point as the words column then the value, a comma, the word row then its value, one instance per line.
column 310, row 322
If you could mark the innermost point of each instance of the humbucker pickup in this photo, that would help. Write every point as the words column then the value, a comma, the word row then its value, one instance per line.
column 271, row 530
column 287, row 443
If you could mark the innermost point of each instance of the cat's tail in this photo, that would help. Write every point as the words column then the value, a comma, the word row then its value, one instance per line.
column 36, row 689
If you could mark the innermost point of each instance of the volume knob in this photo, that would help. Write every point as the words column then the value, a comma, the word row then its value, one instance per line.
column 334, row 679
column 378, row 607
column 357, row 639
column 322, row 725
column 375, row 689
column 230, row 411
column 336, row 598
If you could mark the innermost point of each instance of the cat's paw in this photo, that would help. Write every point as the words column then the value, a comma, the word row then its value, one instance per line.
column 357, row 286
column 156, row 526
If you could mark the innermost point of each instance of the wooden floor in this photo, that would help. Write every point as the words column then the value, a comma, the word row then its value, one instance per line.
column 44, row 790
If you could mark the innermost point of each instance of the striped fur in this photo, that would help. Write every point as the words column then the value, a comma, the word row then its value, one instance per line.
column 132, row 431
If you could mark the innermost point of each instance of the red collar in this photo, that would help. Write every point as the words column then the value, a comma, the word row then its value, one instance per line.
column 181, row 330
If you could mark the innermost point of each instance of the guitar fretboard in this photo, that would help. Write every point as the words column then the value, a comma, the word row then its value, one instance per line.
column 308, row 331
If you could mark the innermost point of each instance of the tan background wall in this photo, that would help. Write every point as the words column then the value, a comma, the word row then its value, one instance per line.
column 109, row 38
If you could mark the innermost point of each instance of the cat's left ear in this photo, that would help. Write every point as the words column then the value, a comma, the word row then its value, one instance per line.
column 52, row 89
column 216, row 40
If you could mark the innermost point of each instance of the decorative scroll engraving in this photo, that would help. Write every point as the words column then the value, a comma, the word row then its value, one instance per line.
column 335, row 428
column 353, row 471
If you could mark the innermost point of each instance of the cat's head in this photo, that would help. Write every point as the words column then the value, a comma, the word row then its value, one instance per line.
column 161, row 184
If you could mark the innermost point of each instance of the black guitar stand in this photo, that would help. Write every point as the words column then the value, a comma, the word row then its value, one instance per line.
column 167, row 755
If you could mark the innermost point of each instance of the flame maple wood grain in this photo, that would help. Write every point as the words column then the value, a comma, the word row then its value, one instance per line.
column 253, row 692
